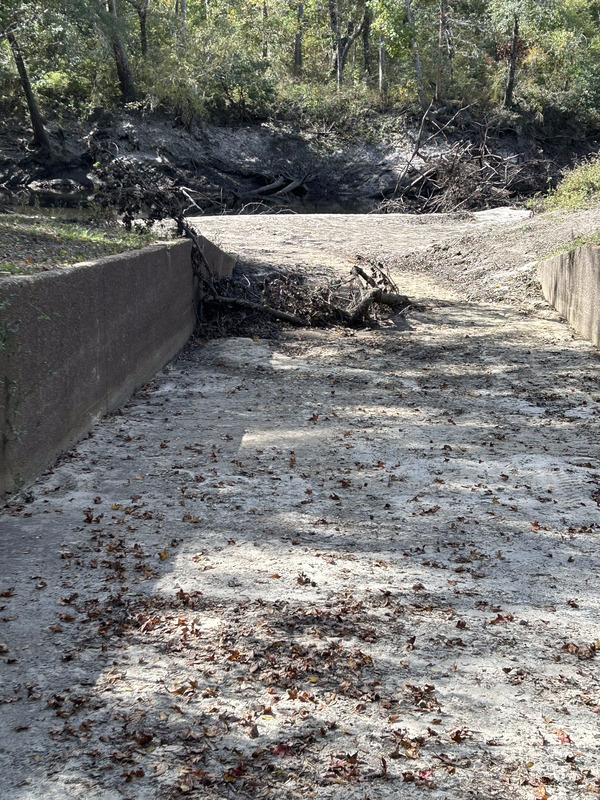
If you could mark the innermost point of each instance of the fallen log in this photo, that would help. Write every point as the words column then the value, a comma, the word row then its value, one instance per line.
column 359, row 312
column 271, row 187
column 295, row 184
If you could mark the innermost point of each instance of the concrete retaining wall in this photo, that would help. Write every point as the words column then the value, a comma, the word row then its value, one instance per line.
column 571, row 283
column 75, row 344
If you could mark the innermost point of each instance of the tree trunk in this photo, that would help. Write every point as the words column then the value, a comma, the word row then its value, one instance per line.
column 450, row 49
column 122, row 62
column 40, row 136
column 440, row 54
column 342, row 44
column 334, row 25
column 298, row 41
column 338, row 36
column 417, row 55
column 346, row 45
column 265, row 47
column 382, row 80
column 366, row 41
column 181, row 15
column 142, row 11
column 512, row 65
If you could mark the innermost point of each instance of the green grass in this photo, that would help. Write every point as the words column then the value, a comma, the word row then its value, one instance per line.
column 580, row 188
column 34, row 241
column 573, row 244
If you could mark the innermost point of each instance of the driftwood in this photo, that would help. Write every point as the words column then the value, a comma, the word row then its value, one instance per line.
column 465, row 173
column 295, row 184
column 282, row 185
column 370, row 280
column 271, row 187
column 272, row 312
column 395, row 301
column 338, row 302
column 362, row 274
column 353, row 317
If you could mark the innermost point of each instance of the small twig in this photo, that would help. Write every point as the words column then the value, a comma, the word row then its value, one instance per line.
column 186, row 194
column 443, row 127
column 415, row 150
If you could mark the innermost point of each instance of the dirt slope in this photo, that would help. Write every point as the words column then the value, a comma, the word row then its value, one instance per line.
column 336, row 565
column 486, row 255
column 230, row 167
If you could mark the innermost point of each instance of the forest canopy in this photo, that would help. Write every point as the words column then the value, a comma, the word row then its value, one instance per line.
column 237, row 61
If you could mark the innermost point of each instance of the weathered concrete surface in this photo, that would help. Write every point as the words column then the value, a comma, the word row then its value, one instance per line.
column 220, row 264
column 328, row 566
column 78, row 342
column 571, row 284
column 330, row 240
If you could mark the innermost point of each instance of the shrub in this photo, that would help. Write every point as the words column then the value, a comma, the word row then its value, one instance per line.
column 579, row 188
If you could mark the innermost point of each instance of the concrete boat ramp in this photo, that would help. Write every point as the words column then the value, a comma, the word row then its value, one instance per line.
column 334, row 565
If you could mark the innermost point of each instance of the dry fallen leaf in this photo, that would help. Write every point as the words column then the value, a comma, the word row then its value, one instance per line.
column 540, row 793
column 563, row 737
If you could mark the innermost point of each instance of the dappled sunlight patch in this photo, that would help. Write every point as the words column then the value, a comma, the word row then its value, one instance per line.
column 281, row 583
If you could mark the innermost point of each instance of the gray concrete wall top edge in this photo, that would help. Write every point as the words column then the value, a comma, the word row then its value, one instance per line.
column 572, row 254
column 113, row 260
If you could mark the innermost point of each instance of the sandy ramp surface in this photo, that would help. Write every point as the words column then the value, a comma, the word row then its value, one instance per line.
column 336, row 565
column 331, row 241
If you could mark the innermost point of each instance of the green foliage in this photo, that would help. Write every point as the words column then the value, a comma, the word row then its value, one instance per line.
column 10, row 91
column 233, row 60
column 579, row 188
column 64, row 87
column 220, row 82
column 239, row 87
column 324, row 108
column 42, row 240
column 579, row 241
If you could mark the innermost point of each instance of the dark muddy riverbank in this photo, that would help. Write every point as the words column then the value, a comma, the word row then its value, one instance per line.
column 270, row 167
